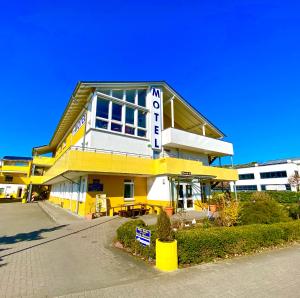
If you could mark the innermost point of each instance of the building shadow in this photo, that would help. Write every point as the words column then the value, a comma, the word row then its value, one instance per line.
column 8, row 200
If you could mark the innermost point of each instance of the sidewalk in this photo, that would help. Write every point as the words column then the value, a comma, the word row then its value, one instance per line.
column 59, row 215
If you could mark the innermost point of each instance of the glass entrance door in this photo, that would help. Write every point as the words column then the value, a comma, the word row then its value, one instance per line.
column 185, row 196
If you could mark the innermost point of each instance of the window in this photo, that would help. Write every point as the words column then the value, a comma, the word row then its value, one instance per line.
column 246, row 187
column 129, row 130
column 288, row 187
column 102, row 108
column 128, row 190
column 118, row 94
column 246, row 176
column 129, row 115
column 9, row 178
column 125, row 113
column 116, row 112
column 142, row 119
column 116, row 127
column 268, row 175
column 101, row 124
column 142, row 97
column 130, row 96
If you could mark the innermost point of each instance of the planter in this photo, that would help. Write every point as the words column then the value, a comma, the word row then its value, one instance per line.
column 24, row 201
column 166, row 255
column 169, row 211
column 213, row 208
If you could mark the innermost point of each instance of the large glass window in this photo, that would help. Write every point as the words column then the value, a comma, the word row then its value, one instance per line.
column 130, row 96
column 142, row 119
column 246, row 176
column 246, row 187
column 102, row 108
column 129, row 115
column 125, row 113
column 118, row 93
column 142, row 97
column 116, row 112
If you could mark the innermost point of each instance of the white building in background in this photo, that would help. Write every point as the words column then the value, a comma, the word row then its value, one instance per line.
column 271, row 175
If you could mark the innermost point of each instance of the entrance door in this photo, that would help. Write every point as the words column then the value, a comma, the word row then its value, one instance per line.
column 185, row 196
column 19, row 193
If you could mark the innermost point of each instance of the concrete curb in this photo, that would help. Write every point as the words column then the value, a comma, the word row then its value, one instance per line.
column 46, row 210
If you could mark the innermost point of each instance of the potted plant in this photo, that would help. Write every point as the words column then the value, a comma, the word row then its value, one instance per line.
column 166, row 245
column 213, row 202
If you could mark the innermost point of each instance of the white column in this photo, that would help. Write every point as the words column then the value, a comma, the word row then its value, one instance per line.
column 203, row 129
column 172, row 112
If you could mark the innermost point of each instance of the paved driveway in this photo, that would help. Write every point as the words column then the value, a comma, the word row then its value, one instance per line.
column 42, row 258
column 74, row 259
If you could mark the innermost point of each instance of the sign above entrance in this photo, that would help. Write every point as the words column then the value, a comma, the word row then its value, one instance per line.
column 156, row 100
column 186, row 173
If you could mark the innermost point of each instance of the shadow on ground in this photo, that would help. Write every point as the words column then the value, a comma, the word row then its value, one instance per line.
column 4, row 200
column 30, row 236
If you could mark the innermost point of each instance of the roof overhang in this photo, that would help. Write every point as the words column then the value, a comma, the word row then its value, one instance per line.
column 190, row 118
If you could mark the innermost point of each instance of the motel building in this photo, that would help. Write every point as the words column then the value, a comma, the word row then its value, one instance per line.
column 131, row 143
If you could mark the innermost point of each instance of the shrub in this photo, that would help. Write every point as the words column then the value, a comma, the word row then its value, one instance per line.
column 201, row 245
column 282, row 197
column 126, row 236
column 163, row 228
column 294, row 211
column 228, row 215
column 262, row 209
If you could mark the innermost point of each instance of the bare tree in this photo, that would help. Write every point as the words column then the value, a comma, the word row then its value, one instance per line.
column 294, row 180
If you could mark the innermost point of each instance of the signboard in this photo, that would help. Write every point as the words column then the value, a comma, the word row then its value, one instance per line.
column 186, row 173
column 79, row 123
column 156, row 101
column 143, row 236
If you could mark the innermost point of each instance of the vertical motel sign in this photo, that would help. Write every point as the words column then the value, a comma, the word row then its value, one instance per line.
column 156, row 100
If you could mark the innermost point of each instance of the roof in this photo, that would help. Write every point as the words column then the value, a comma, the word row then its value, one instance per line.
column 191, row 119
column 17, row 158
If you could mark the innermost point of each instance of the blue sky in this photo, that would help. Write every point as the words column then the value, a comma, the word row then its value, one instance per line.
column 236, row 61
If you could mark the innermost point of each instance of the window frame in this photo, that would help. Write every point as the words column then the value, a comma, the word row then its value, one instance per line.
column 131, row 183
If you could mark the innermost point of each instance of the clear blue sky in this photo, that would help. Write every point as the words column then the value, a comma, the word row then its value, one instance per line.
column 236, row 61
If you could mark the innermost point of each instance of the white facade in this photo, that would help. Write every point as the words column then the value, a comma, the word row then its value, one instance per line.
column 273, row 175
column 14, row 190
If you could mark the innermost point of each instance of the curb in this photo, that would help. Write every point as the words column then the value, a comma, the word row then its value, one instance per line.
column 42, row 205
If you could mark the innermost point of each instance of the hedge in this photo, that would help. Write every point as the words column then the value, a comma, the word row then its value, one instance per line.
column 202, row 245
column 279, row 196
column 199, row 245
column 126, row 235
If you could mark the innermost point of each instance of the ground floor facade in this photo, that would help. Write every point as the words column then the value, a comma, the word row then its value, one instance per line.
column 80, row 195
column 13, row 191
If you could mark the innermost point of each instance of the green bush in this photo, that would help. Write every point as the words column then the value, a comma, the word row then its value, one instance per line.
column 202, row 245
column 262, row 209
column 293, row 210
column 126, row 236
column 282, row 197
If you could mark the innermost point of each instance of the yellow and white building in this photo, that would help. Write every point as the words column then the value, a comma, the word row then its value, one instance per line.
column 134, row 142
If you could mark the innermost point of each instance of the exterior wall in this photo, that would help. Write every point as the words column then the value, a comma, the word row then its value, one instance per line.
column 273, row 183
column 8, row 190
column 118, row 142
column 185, row 154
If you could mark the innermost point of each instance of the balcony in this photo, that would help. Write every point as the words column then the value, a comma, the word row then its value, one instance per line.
column 90, row 160
column 43, row 161
column 15, row 169
column 175, row 138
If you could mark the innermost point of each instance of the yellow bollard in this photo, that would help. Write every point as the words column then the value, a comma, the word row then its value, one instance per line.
column 24, row 201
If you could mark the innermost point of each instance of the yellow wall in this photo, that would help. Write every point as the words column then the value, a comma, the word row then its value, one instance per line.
column 70, row 139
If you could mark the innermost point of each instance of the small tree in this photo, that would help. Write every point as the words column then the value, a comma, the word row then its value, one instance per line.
column 294, row 180
column 163, row 227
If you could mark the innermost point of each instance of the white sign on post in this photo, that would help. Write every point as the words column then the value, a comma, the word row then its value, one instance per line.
column 156, row 96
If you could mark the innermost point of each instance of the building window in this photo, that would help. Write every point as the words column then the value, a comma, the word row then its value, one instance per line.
column 246, row 176
column 288, row 187
column 125, row 112
column 128, row 190
column 130, row 96
column 246, row 187
column 269, row 175
column 9, row 178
